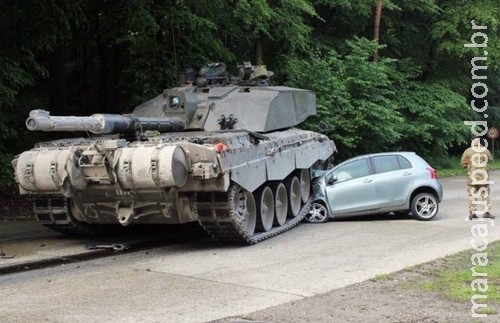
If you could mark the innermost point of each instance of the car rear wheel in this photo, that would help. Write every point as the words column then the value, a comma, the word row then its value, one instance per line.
column 317, row 213
column 424, row 206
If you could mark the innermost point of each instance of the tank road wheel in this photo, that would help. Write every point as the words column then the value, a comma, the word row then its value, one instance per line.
column 265, row 208
column 305, row 185
column 292, row 185
column 280, row 204
column 244, row 208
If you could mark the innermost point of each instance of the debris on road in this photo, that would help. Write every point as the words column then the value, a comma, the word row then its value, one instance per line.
column 114, row 246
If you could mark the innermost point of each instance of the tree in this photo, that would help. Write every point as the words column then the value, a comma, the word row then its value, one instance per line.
column 29, row 30
column 355, row 96
column 377, row 106
column 82, row 57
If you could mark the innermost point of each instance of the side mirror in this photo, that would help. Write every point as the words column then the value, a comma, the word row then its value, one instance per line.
column 332, row 179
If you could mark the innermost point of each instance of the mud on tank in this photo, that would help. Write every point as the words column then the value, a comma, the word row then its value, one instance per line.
column 216, row 150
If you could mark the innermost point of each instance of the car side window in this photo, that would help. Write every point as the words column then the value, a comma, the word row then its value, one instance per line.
column 352, row 170
column 404, row 163
column 384, row 164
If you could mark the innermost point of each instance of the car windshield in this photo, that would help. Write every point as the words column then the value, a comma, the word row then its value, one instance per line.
column 355, row 169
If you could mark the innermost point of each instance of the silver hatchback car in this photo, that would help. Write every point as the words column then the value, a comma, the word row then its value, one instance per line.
column 399, row 182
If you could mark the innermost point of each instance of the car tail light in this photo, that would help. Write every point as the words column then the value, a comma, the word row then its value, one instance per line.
column 432, row 172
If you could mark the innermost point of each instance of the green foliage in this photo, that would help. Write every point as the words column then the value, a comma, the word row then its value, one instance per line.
column 280, row 27
column 377, row 106
column 433, row 117
column 354, row 96
column 28, row 29
column 454, row 29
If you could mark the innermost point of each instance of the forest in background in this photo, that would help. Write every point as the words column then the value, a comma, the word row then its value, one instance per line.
column 410, row 90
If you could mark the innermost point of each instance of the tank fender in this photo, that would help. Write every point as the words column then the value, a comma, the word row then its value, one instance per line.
column 309, row 153
column 280, row 165
column 250, row 175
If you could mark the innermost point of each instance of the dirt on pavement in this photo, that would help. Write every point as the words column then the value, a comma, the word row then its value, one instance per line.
column 398, row 297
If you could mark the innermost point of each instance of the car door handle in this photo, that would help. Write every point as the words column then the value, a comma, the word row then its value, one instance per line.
column 368, row 180
column 407, row 173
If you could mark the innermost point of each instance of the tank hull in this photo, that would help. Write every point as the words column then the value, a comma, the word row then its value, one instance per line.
column 224, row 154
column 168, row 179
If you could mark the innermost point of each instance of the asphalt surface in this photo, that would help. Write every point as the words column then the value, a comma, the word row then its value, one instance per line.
column 203, row 280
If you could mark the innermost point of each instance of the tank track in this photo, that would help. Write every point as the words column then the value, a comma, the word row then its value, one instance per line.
column 215, row 212
column 216, row 216
column 55, row 214
column 78, row 229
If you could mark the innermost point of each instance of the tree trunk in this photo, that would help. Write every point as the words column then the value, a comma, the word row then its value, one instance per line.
column 376, row 31
column 259, row 52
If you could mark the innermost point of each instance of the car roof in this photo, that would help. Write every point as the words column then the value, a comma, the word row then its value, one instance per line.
column 403, row 153
column 408, row 154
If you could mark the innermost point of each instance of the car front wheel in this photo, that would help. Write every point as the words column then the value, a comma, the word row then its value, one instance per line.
column 424, row 206
column 317, row 213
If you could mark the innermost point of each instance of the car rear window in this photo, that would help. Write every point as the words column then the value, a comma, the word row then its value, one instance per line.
column 390, row 163
column 404, row 163
column 384, row 164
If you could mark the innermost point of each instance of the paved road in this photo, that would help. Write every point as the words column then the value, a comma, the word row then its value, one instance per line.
column 203, row 280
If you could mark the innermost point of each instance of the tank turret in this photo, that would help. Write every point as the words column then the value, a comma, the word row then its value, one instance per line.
column 217, row 150
column 211, row 103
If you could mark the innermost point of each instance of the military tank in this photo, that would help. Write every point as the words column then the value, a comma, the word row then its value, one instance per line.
column 222, row 151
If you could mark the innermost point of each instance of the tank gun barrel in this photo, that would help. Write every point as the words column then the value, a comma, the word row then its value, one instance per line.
column 41, row 120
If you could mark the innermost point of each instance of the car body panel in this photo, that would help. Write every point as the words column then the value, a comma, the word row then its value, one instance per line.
column 392, row 187
column 392, row 180
column 341, row 200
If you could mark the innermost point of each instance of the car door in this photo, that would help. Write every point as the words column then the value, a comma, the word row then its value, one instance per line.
column 393, row 179
column 350, row 188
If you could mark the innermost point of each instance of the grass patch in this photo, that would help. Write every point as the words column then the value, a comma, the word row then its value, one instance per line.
column 455, row 281
column 451, row 167
column 486, row 310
